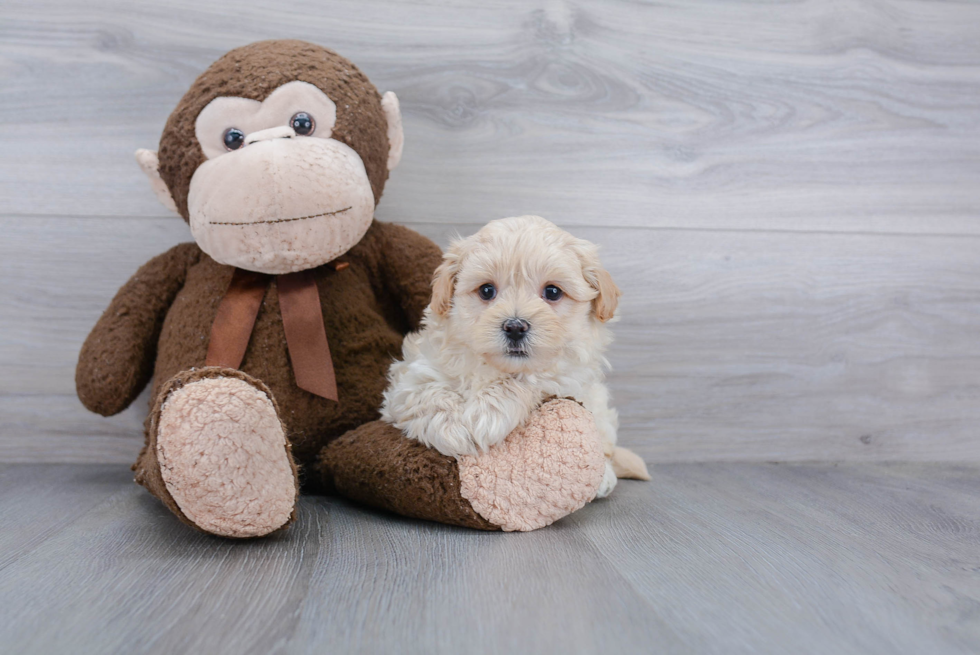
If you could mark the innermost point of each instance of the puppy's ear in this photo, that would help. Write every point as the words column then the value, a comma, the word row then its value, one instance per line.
column 444, row 280
column 608, row 299
column 605, row 303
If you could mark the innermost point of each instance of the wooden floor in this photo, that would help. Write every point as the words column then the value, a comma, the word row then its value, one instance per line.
column 706, row 558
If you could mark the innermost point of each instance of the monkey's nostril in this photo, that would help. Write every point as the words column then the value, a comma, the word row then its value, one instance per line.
column 515, row 328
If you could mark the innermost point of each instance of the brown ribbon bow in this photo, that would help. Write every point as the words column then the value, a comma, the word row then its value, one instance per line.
column 302, row 320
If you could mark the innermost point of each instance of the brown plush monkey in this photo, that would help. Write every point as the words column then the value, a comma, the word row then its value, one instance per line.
column 270, row 337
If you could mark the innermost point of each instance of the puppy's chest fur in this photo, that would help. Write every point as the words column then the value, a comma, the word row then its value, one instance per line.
column 448, row 397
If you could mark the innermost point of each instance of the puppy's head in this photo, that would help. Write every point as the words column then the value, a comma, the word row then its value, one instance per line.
column 522, row 293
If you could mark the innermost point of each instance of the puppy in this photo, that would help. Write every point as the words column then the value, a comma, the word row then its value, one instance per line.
column 519, row 313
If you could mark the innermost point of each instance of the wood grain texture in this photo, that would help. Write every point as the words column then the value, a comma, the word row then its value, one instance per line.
column 791, row 115
column 37, row 503
column 708, row 558
column 731, row 345
column 786, row 192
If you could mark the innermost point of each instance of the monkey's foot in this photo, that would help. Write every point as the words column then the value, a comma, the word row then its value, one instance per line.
column 541, row 472
column 545, row 470
column 218, row 455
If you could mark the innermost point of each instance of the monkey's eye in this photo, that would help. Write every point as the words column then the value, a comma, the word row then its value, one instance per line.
column 487, row 292
column 302, row 123
column 553, row 293
column 234, row 138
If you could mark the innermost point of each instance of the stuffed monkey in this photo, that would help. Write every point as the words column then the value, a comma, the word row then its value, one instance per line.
column 268, row 338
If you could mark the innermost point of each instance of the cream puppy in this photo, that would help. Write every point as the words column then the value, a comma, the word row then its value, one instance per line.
column 518, row 314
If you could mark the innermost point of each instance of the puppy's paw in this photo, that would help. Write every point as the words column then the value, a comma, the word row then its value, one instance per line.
column 485, row 426
column 608, row 480
column 445, row 432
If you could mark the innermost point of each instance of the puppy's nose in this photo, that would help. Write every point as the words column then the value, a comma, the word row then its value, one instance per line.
column 515, row 328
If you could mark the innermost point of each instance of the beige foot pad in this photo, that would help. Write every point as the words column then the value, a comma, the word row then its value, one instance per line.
column 540, row 473
column 223, row 457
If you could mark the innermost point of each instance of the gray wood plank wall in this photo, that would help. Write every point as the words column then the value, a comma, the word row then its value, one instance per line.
column 787, row 192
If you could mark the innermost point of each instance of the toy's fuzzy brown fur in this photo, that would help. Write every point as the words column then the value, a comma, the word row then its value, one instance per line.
column 544, row 470
column 159, row 323
column 376, row 465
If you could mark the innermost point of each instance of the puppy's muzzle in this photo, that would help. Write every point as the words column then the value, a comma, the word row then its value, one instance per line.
column 515, row 329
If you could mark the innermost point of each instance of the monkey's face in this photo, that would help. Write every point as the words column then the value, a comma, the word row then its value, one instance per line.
column 277, row 155
column 277, row 194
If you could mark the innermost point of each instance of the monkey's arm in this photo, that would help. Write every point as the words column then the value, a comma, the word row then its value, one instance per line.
column 408, row 262
column 116, row 360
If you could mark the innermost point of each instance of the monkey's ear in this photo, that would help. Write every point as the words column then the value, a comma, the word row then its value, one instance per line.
column 444, row 280
column 147, row 159
column 396, row 137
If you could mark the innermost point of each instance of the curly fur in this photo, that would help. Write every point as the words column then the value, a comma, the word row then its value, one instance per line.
column 462, row 386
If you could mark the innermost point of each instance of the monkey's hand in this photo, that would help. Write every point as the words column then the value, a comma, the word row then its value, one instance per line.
column 117, row 358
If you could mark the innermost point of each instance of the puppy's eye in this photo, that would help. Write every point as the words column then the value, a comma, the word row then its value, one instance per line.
column 487, row 292
column 553, row 293
column 234, row 138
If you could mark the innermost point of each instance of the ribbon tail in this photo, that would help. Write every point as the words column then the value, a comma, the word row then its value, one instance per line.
column 306, row 338
column 232, row 326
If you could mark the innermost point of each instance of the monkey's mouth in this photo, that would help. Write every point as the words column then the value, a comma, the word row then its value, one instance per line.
column 282, row 220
